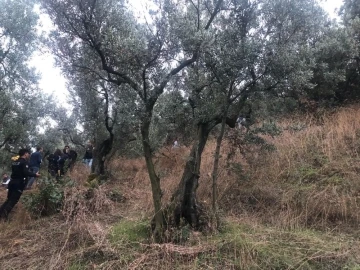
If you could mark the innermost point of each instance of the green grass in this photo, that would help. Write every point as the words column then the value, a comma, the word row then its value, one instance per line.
column 127, row 231
column 77, row 266
column 260, row 247
column 242, row 246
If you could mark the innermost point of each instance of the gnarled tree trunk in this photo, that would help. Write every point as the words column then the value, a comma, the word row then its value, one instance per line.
column 185, row 196
column 184, row 202
column 158, row 220
column 100, row 152
column 104, row 148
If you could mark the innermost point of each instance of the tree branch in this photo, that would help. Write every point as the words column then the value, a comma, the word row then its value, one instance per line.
column 6, row 140
column 198, row 13
column 213, row 15
column 67, row 131
column 160, row 88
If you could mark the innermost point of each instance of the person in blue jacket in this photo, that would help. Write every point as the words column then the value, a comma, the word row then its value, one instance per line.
column 35, row 162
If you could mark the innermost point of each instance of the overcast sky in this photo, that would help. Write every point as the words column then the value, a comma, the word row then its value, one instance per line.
column 53, row 82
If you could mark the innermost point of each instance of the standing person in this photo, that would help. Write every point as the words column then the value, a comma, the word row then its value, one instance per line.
column 241, row 121
column 35, row 162
column 176, row 144
column 64, row 157
column 72, row 156
column 88, row 156
column 53, row 166
column 19, row 175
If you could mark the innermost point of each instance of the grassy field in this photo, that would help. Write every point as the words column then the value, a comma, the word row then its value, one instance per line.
column 296, row 207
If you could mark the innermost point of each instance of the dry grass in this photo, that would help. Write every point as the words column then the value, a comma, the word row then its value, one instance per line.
column 310, row 180
column 279, row 198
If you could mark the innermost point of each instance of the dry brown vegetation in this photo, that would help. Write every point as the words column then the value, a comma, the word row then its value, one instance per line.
column 293, row 208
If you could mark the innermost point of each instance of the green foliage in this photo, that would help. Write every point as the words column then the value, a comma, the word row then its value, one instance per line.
column 308, row 174
column 350, row 10
column 172, row 120
column 254, row 136
column 93, row 183
column 252, row 141
column 48, row 199
column 250, row 247
column 94, row 180
column 116, row 196
column 22, row 105
column 91, row 177
column 78, row 266
column 129, row 232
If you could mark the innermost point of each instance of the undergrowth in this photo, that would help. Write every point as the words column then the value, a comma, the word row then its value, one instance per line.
column 294, row 207
column 49, row 197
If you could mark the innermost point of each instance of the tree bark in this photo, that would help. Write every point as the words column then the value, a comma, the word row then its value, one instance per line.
column 185, row 197
column 184, row 203
column 104, row 148
column 159, row 220
column 216, row 165
column 218, row 147
column 100, row 153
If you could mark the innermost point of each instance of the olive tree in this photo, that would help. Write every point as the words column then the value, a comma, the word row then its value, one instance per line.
column 142, row 56
column 350, row 13
column 22, row 105
column 262, row 51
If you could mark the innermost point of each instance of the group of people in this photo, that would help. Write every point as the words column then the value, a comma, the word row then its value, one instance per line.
column 35, row 160
column 58, row 159
column 25, row 168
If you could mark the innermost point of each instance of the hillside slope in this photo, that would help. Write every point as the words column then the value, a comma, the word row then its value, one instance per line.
column 293, row 208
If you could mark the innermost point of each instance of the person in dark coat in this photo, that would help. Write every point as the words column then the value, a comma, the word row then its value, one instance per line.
column 72, row 159
column 35, row 162
column 53, row 166
column 65, row 157
column 17, row 184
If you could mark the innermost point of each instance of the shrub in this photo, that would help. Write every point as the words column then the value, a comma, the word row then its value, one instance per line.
column 48, row 199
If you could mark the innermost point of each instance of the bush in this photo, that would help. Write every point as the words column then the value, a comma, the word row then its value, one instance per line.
column 48, row 200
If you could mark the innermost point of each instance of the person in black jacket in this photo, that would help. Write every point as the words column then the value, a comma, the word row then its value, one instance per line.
column 53, row 167
column 17, row 184
column 67, row 160
column 65, row 157
column 72, row 160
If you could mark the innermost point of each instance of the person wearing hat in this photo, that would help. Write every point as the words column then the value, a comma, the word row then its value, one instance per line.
column 19, row 175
